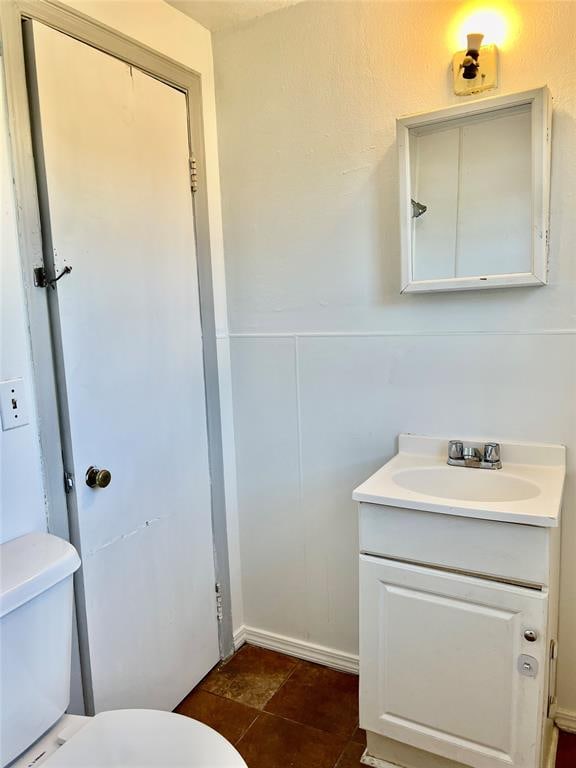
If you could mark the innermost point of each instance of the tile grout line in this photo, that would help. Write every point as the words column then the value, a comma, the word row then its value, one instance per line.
column 258, row 713
column 347, row 740
column 341, row 755
column 198, row 689
column 228, row 698
column 282, row 684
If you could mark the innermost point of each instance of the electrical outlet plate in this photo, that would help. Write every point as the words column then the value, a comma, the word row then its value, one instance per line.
column 486, row 77
column 13, row 407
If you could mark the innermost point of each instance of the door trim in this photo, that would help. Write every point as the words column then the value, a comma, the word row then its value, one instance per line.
column 51, row 433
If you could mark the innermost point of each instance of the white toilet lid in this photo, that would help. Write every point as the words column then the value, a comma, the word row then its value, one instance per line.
column 145, row 738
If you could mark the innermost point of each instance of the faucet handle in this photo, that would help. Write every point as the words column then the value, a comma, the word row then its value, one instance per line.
column 492, row 453
column 455, row 449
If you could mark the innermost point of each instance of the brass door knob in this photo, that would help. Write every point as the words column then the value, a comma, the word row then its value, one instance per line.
column 98, row 478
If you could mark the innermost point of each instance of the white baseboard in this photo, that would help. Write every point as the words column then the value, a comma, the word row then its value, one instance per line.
column 376, row 762
column 553, row 751
column 329, row 657
column 566, row 719
column 239, row 637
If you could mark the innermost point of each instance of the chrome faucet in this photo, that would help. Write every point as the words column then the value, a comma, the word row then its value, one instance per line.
column 460, row 455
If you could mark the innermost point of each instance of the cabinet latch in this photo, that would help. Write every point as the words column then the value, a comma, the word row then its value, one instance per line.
column 527, row 665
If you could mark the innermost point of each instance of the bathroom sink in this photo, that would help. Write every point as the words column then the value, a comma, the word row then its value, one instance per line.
column 527, row 489
column 468, row 484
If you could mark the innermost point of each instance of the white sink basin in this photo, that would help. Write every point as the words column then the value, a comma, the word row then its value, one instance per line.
column 466, row 484
column 528, row 489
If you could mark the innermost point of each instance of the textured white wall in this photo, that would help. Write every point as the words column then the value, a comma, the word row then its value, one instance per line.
column 21, row 488
column 329, row 361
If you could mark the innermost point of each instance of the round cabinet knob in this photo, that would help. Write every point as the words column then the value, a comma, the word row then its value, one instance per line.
column 531, row 635
column 98, row 478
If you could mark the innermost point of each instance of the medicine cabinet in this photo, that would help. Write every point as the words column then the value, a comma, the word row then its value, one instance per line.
column 474, row 189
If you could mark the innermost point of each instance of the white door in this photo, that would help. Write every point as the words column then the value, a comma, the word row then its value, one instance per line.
column 112, row 153
column 442, row 663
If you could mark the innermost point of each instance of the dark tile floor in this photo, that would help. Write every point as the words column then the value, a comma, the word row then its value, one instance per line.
column 566, row 757
column 281, row 712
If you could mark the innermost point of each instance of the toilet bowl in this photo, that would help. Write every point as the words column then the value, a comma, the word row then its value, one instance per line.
column 36, row 593
column 132, row 738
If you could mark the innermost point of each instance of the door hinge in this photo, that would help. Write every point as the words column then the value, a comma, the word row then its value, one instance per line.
column 193, row 174
column 552, row 699
column 219, row 609
column 553, row 649
column 68, row 482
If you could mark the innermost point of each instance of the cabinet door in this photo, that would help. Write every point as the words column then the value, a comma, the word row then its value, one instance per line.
column 442, row 663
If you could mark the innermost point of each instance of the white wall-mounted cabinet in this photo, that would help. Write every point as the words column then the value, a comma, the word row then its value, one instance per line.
column 474, row 194
column 474, row 175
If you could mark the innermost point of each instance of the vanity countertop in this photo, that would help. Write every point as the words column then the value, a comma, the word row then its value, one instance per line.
column 527, row 490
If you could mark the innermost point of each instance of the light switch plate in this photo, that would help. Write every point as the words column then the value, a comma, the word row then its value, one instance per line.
column 13, row 406
column 486, row 77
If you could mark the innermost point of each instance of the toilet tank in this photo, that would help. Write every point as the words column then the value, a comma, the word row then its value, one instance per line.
column 35, row 637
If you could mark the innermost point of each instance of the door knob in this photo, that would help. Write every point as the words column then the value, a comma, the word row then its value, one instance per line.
column 98, row 478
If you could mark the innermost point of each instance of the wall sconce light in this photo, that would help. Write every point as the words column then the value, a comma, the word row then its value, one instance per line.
column 475, row 69
column 470, row 62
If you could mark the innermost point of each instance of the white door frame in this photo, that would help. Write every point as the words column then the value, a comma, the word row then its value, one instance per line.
column 43, row 331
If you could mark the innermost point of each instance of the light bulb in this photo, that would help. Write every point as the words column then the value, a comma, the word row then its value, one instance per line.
column 474, row 41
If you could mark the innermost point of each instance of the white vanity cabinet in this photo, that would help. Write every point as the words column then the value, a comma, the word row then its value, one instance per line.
column 443, row 660
column 458, row 621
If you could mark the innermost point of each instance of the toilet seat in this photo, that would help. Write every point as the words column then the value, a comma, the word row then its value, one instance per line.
column 145, row 738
